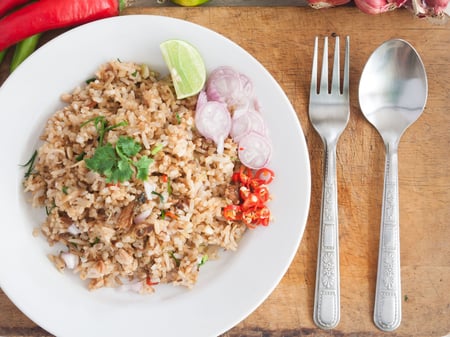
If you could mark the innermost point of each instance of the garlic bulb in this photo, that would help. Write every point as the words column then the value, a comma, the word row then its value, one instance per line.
column 378, row 6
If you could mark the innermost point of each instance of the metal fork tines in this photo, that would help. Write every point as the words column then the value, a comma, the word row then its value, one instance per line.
column 329, row 113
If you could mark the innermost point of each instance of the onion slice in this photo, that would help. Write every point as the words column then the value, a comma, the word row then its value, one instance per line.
column 71, row 260
column 254, row 150
column 213, row 121
column 246, row 121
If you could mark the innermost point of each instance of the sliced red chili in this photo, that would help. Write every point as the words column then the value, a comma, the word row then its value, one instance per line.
column 232, row 212
column 171, row 215
column 248, row 217
column 263, row 213
column 244, row 192
column 263, row 193
column 265, row 175
column 245, row 175
column 252, row 201
column 254, row 193
column 149, row 281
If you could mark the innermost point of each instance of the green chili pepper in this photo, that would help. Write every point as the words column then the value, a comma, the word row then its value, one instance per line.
column 24, row 49
column 2, row 55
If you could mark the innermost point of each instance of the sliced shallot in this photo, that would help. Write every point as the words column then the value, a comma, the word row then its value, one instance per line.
column 245, row 121
column 213, row 121
column 224, row 85
column 140, row 218
column 201, row 99
column 254, row 150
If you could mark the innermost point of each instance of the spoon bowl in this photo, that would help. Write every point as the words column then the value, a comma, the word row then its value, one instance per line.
column 392, row 95
column 393, row 88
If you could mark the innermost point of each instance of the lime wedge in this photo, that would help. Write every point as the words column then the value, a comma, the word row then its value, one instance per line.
column 186, row 67
column 189, row 3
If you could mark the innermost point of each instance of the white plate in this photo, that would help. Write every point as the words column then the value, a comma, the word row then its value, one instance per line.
column 228, row 289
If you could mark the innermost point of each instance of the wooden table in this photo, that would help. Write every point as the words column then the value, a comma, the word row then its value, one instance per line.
column 281, row 39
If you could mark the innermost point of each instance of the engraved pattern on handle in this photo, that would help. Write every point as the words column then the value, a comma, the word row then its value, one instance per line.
column 327, row 297
column 387, row 310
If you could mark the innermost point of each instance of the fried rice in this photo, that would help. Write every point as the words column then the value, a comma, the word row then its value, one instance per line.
column 121, row 234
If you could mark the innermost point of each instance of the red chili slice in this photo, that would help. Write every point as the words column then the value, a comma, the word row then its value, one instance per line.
column 252, row 201
column 264, row 174
column 232, row 212
column 262, row 192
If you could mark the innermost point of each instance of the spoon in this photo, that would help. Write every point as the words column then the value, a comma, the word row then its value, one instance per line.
column 392, row 95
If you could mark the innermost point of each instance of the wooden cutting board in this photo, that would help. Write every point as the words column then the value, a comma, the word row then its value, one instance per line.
column 281, row 39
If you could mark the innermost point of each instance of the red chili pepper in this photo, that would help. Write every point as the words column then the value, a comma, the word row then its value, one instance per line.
column 149, row 281
column 251, row 201
column 171, row 215
column 7, row 5
column 245, row 175
column 43, row 15
column 253, row 193
column 263, row 216
column 244, row 191
column 232, row 212
column 263, row 193
column 249, row 217
column 264, row 174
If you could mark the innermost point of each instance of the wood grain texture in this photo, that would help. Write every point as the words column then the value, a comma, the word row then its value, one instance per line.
column 216, row 3
column 282, row 39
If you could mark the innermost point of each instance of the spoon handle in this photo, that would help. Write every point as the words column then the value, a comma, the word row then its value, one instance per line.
column 327, row 302
column 388, row 311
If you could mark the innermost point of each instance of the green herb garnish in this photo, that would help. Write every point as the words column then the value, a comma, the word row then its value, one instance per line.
column 142, row 166
column 203, row 260
column 65, row 190
column 96, row 240
column 90, row 80
column 177, row 260
column 30, row 164
column 115, row 162
column 161, row 197
column 156, row 149
column 48, row 209
column 80, row 156
column 101, row 125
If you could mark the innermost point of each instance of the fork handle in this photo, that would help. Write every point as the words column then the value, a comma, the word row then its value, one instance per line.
column 327, row 298
column 388, row 304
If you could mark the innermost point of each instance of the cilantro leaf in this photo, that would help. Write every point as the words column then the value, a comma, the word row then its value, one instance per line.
column 115, row 161
column 142, row 166
column 121, row 172
column 103, row 159
column 127, row 147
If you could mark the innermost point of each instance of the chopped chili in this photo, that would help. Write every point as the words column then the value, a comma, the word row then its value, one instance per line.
column 254, row 194
column 149, row 281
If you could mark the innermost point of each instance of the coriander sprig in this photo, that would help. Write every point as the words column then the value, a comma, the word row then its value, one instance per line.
column 101, row 125
column 115, row 161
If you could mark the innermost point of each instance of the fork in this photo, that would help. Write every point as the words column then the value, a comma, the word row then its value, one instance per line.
column 329, row 113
